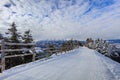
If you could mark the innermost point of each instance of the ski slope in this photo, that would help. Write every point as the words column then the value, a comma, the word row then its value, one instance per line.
column 79, row 64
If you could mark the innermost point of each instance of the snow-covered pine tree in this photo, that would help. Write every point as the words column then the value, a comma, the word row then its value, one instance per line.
column 89, row 43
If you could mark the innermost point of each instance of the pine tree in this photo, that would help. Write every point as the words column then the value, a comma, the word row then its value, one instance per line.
column 67, row 45
column 50, row 49
column 89, row 42
column 27, row 37
column 1, row 36
column 13, row 37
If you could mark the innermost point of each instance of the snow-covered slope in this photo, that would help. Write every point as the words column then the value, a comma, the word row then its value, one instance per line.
column 79, row 64
column 63, row 19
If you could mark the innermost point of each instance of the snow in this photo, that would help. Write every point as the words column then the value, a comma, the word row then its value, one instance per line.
column 117, row 45
column 78, row 64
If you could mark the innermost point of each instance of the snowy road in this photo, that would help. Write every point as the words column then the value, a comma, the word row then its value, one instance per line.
column 79, row 64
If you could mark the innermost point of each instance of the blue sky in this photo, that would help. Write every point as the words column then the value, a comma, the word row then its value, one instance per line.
column 63, row 19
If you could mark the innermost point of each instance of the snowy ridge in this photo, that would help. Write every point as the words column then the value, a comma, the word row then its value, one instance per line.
column 82, row 63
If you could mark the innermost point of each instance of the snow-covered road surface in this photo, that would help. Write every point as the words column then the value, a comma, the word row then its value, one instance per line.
column 79, row 64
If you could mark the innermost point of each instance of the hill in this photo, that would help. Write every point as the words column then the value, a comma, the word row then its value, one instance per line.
column 114, row 41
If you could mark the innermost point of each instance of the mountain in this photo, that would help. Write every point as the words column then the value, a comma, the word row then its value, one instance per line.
column 113, row 41
column 44, row 43
column 58, row 43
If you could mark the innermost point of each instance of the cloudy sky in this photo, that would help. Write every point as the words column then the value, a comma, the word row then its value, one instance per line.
column 63, row 19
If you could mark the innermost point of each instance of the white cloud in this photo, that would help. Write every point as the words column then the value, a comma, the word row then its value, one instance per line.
column 65, row 23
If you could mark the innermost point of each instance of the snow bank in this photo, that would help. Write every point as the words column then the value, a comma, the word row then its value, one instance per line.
column 79, row 64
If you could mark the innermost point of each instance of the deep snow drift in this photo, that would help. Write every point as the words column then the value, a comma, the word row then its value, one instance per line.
column 79, row 64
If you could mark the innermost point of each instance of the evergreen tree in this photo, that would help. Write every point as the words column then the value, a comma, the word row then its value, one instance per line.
column 67, row 45
column 1, row 36
column 89, row 42
column 77, row 44
column 50, row 49
column 13, row 37
column 27, row 37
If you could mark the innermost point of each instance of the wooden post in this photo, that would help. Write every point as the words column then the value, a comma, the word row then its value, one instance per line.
column 33, row 50
column 2, row 56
